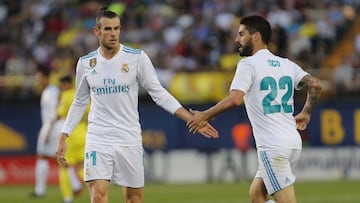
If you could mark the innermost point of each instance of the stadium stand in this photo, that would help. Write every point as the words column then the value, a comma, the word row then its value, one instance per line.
column 180, row 36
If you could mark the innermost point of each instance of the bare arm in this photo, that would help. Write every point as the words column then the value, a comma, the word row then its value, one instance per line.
column 313, row 92
column 313, row 87
column 61, row 149
column 201, row 118
column 234, row 99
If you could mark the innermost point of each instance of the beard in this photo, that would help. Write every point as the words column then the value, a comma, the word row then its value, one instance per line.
column 247, row 49
column 110, row 44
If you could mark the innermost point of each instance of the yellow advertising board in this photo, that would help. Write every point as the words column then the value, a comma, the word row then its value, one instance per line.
column 200, row 87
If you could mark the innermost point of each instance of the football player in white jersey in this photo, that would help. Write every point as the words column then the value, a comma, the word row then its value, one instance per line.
column 50, row 129
column 265, row 83
column 111, row 76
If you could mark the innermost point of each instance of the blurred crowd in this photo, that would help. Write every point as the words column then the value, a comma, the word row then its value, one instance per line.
column 179, row 36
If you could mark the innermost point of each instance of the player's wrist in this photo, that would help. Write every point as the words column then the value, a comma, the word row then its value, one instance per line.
column 64, row 135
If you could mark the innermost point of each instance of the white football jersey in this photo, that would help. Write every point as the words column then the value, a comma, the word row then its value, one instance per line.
column 113, row 86
column 268, row 82
column 48, row 103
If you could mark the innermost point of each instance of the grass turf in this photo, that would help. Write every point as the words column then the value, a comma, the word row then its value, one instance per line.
column 307, row 192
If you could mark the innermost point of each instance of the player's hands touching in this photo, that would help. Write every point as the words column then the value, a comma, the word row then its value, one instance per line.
column 204, row 128
column 302, row 120
column 61, row 149
column 197, row 122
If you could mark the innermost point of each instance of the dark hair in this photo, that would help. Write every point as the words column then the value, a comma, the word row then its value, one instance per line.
column 66, row 79
column 256, row 23
column 104, row 12
column 43, row 70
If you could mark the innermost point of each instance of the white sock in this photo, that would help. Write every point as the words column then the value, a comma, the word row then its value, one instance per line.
column 41, row 174
column 76, row 184
column 270, row 201
column 68, row 200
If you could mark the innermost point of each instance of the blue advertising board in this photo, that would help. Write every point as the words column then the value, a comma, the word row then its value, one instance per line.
column 332, row 124
column 177, row 135
column 335, row 123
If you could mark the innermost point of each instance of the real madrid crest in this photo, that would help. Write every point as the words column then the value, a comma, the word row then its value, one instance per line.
column 92, row 62
column 125, row 68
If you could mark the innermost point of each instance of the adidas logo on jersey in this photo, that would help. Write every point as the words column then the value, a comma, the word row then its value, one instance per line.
column 93, row 72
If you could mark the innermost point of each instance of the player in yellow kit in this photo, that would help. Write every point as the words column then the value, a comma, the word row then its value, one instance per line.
column 71, row 177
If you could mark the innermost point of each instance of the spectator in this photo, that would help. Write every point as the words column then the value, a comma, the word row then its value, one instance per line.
column 200, row 28
column 343, row 76
column 357, row 43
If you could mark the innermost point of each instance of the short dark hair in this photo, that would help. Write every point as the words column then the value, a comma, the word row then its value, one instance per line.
column 66, row 79
column 104, row 12
column 256, row 23
column 43, row 70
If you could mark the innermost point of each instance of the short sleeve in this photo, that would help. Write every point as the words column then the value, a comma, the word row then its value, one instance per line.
column 243, row 78
column 299, row 73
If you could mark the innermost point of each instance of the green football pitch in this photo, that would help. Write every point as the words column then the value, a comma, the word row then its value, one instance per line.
column 307, row 192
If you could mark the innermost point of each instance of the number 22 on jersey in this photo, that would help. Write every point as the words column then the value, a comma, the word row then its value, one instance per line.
column 270, row 83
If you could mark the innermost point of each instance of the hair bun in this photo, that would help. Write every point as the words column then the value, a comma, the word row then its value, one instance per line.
column 104, row 8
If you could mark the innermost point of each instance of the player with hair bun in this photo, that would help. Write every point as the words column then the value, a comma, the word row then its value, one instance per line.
column 111, row 77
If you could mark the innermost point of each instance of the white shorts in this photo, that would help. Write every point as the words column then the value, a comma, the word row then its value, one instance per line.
column 275, row 168
column 122, row 165
column 48, row 148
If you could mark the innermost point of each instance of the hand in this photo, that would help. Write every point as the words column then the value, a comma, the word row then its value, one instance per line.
column 302, row 120
column 209, row 131
column 197, row 121
column 61, row 149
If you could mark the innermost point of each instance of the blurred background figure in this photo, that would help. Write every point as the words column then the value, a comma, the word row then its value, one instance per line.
column 50, row 129
column 344, row 76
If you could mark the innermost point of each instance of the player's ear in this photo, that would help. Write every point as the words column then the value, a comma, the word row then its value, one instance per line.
column 96, row 30
column 256, row 36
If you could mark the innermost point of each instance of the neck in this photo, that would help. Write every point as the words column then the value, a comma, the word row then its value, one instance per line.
column 257, row 48
column 108, row 53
